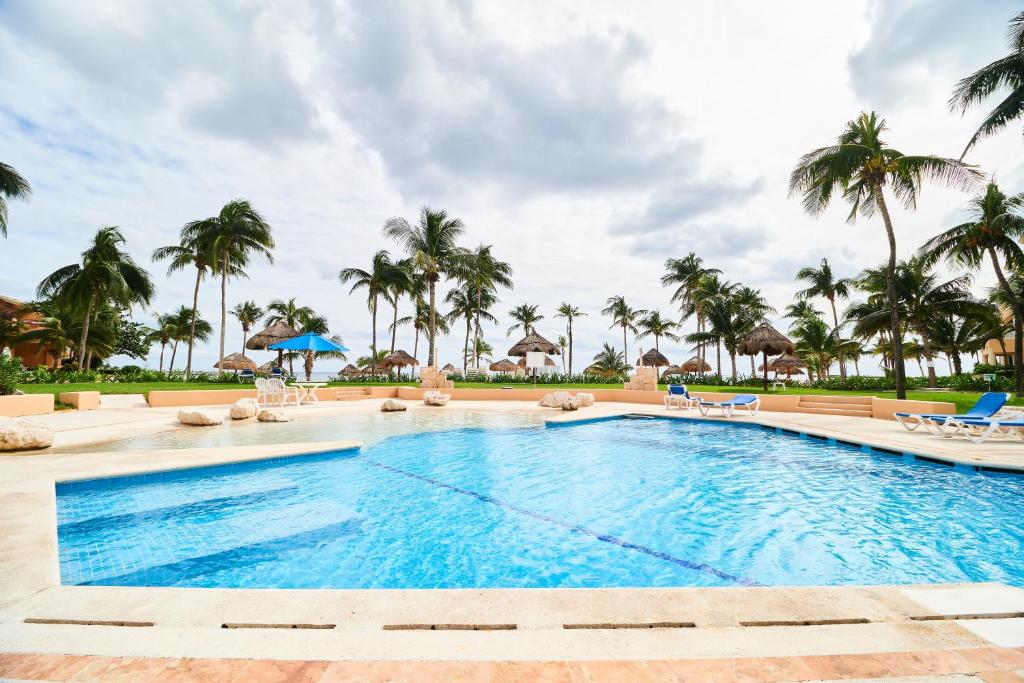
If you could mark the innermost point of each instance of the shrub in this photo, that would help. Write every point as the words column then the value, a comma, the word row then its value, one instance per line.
column 10, row 373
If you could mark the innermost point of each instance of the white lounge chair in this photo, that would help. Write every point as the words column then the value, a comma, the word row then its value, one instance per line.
column 749, row 402
column 678, row 395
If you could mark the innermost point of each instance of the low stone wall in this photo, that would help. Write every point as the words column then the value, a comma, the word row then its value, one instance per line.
column 886, row 408
column 82, row 400
column 216, row 397
column 26, row 404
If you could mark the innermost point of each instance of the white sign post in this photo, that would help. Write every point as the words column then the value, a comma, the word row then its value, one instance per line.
column 534, row 360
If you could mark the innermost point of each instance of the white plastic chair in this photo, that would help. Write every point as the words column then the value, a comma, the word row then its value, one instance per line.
column 272, row 391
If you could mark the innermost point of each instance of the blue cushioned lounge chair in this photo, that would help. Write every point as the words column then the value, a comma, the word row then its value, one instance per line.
column 978, row 430
column 679, row 395
column 246, row 376
column 748, row 401
column 988, row 405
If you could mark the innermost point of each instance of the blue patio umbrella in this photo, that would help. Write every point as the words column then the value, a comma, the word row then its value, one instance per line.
column 310, row 343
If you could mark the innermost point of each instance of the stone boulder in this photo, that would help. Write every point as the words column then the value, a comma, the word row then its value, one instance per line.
column 571, row 403
column 19, row 435
column 554, row 400
column 198, row 418
column 273, row 416
column 586, row 399
column 392, row 406
column 244, row 408
column 435, row 398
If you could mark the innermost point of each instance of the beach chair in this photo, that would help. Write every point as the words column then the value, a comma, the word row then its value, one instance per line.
column 980, row 430
column 988, row 405
column 749, row 402
column 272, row 391
column 246, row 375
column 276, row 373
column 678, row 395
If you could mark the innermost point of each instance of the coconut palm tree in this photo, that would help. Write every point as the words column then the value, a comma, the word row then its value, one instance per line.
column 420, row 320
column 12, row 186
column 815, row 339
column 653, row 325
column 994, row 230
column 189, row 325
column 54, row 329
column 526, row 316
column 482, row 273
column 1006, row 72
column 570, row 313
column 753, row 307
column 106, row 275
column 956, row 335
column 165, row 333
column 624, row 316
column 248, row 314
column 431, row 244
column 562, row 342
column 313, row 323
column 822, row 282
column 469, row 304
column 685, row 275
column 728, row 322
column 292, row 315
column 410, row 284
column 481, row 349
column 232, row 237
column 800, row 309
column 609, row 363
column 860, row 166
column 381, row 281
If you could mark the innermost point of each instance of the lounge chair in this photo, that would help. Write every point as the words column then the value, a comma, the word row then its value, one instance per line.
column 246, row 375
column 679, row 395
column 988, row 405
column 748, row 401
column 979, row 430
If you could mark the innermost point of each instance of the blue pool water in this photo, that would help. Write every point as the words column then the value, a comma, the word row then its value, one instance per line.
column 611, row 503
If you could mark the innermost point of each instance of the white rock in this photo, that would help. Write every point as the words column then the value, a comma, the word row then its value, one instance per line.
column 273, row 416
column 586, row 399
column 572, row 403
column 392, row 406
column 198, row 418
column 244, row 408
column 19, row 434
column 555, row 399
column 435, row 398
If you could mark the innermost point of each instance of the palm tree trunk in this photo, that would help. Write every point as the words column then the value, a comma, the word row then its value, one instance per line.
column 958, row 367
column 223, row 306
column 465, row 347
column 1018, row 324
column 718, row 359
column 476, row 331
column 926, row 349
column 309, row 365
column 245, row 338
column 753, row 369
column 84, row 339
column 856, row 366
column 394, row 324
column 570, row 345
column 416, row 342
column 835, row 326
column 174, row 352
column 162, row 347
column 433, row 322
column 192, row 330
column 899, row 371
column 732, row 359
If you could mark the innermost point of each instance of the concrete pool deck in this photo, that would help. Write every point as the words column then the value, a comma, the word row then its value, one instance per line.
column 37, row 615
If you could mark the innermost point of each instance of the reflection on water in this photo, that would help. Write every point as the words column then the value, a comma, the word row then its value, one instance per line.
column 367, row 427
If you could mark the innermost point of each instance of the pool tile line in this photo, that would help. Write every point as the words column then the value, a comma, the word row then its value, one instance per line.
column 575, row 528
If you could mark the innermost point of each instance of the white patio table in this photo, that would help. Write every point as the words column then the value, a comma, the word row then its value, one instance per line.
column 307, row 391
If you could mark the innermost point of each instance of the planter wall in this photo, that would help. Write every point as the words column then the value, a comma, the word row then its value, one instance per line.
column 26, row 404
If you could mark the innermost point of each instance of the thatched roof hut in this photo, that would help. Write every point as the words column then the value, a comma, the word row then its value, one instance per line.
column 786, row 364
column 695, row 365
column 266, row 368
column 533, row 342
column 548, row 363
column 350, row 370
column 277, row 332
column 653, row 358
column 236, row 361
column 503, row 365
column 766, row 340
column 672, row 370
column 448, row 368
column 398, row 359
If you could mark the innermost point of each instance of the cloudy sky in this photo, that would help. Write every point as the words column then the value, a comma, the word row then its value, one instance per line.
column 586, row 142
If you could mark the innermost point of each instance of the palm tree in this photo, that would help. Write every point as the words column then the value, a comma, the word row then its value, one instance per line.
column 728, row 322
column 623, row 316
column 609, row 363
column 469, row 304
column 106, row 275
column 420, row 320
column 801, row 308
column 823, row 283
column 686, row 274
column 12, row 186
column 754, row 308
column 54, row 329
column 380, row 281
column 1007, row 72
column 860, row 166
column 481, row 349
column 483, row 273
column 431, row 244
column 411, row 284
column 248, row 314
column 526, row 317
column 313, row 323
column 652, row 324
column 562, row 342
column 570, row 313
column 292, row 315
column 189, row 325
column 957, row 335
column 994, row 229
column 165, row 333
column 815, row 339
column 232, row 236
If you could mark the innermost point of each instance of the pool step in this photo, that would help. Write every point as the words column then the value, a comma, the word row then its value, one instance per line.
column 835, row 405
column 353, row 393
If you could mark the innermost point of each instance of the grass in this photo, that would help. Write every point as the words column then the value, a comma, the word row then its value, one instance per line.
column 963, row 400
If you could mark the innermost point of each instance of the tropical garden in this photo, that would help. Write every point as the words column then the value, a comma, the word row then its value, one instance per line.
column 925, row 318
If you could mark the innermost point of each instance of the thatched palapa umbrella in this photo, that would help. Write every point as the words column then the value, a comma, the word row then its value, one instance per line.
column 447, row 368
column 276, row 333
column 503, row 365
column 350, row 370
column 765, row 339
column 548, row 363
column 786, row 363
column 672, row 370
column 266, row 368
column 695, row 365
column 399, row 359
column 535, row 343
column 653, row 358
column 236, row 362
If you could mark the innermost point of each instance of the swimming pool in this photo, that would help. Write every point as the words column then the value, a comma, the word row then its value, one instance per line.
column 622, row 502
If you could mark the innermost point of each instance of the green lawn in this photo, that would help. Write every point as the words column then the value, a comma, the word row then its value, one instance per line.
column 963, row 400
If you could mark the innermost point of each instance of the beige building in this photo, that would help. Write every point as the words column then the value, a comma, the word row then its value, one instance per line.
column 998, row 352
column 31, row 355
